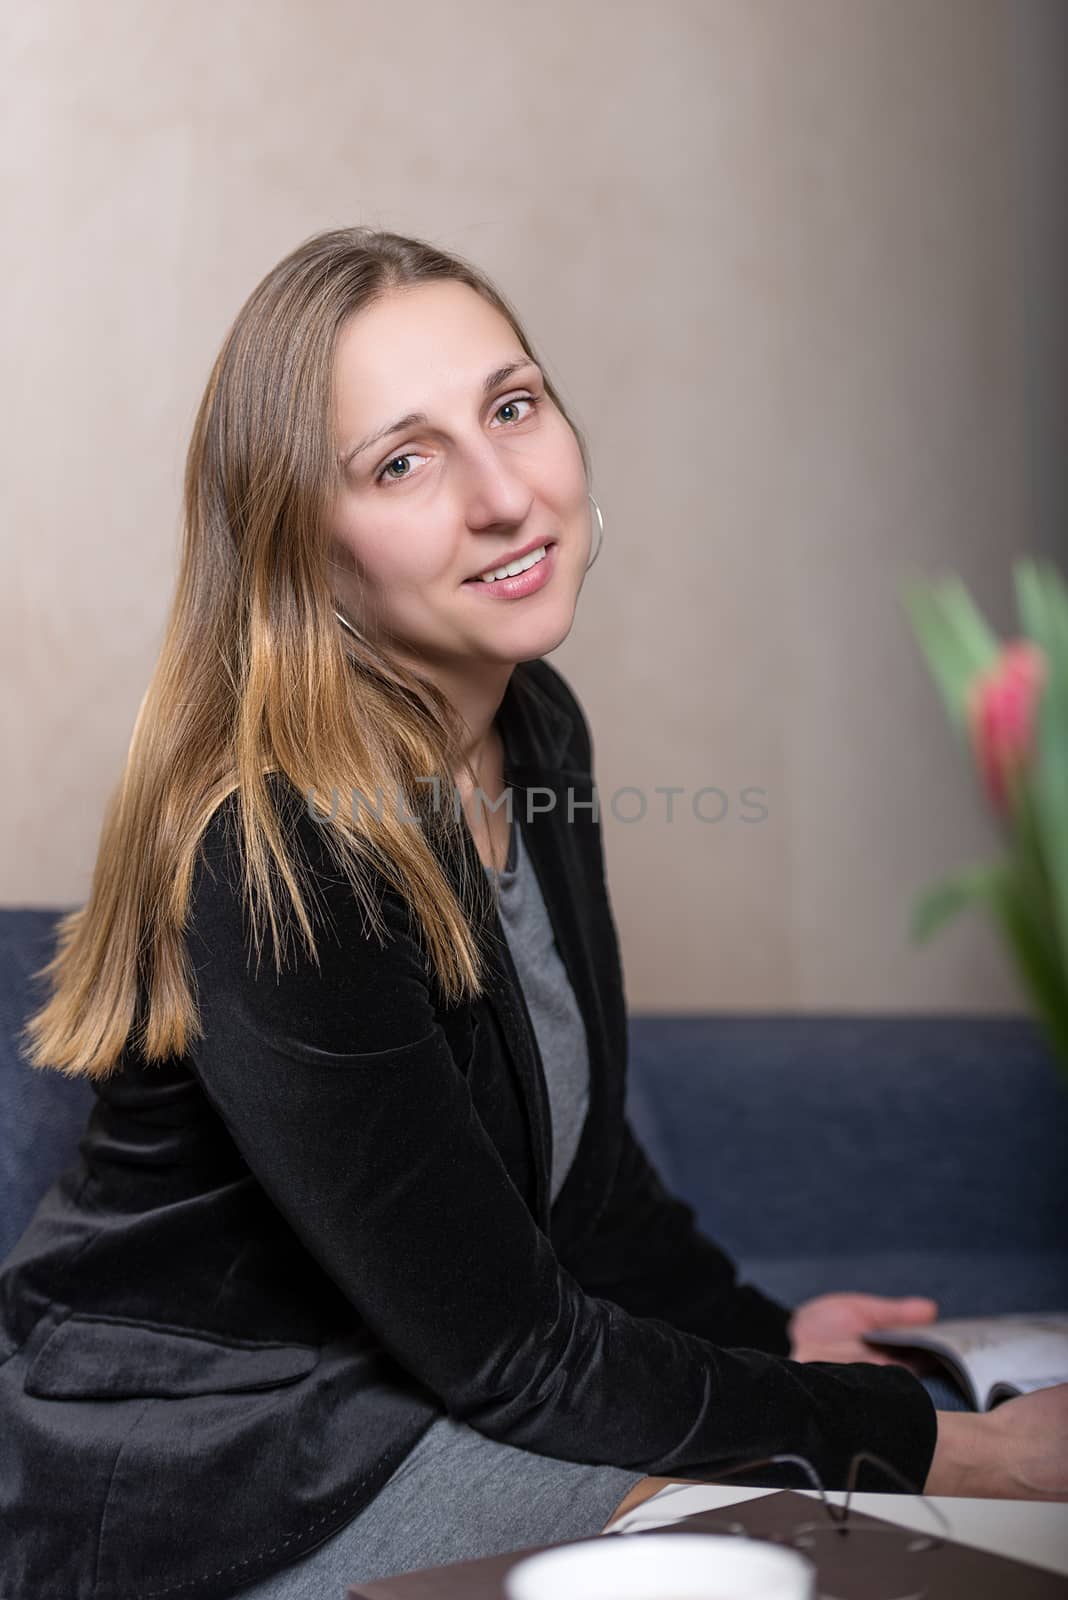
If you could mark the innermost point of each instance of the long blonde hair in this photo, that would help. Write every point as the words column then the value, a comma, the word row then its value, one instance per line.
column 256, row 677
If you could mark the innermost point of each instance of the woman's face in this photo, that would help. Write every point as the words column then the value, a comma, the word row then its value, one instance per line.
column 430, row 503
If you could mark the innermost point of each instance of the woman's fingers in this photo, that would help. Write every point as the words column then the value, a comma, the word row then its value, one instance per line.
column 845, row 1351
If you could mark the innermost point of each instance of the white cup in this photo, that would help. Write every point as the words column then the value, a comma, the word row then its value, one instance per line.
column 664, row 1566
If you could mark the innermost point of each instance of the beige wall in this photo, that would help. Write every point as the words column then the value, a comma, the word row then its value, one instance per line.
column 797, row 265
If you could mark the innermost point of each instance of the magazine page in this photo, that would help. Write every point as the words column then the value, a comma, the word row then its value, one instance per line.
column 1009, row 1391
column 1021, row 1353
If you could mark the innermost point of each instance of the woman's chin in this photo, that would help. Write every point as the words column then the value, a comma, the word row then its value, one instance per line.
column 527, row 638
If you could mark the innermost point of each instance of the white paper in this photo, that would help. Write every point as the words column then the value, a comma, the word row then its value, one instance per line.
column 992, row 1357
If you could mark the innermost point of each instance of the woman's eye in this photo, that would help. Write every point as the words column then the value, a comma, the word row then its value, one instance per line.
column 517, row 401
column 385, row 475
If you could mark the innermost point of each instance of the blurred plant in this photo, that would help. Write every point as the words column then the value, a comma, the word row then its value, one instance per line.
column 1008, row 702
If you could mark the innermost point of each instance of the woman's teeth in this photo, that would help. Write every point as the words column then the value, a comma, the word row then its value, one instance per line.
column 516, row 567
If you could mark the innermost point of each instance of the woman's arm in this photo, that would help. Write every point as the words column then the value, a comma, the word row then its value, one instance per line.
column 338, row 1086
column 648, row 1255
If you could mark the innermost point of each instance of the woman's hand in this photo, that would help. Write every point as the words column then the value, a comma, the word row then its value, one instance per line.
column 1032, row 1435
column 829, row 1328
column 1018, row 1451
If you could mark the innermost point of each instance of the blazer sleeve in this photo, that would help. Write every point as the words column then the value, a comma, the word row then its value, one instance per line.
column 647, row 1254
column 338, row 1086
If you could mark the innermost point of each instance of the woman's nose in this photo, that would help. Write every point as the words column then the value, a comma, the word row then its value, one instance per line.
column 493, row 493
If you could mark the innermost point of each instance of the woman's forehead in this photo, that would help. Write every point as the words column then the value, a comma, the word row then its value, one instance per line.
column 416, row 351
column 435, row 330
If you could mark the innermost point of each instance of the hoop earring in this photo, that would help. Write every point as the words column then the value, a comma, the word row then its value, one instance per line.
column 600, row 524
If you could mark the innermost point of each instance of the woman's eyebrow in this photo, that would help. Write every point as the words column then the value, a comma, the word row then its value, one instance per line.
column 415, row 418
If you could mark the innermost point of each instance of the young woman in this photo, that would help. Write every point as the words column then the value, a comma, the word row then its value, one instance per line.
column 361, row 1267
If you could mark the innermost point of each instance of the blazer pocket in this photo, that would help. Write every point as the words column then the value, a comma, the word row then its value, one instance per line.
column 108, row 1358
column 300, row 1050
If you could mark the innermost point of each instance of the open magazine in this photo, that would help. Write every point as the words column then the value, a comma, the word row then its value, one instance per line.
column 992, row 1358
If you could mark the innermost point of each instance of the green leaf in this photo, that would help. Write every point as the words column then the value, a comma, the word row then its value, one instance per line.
column 1028, row 863
column 954, row 637
column 1024, row 921
column 1042, row 600
column 942, row 901
column 1042, row 977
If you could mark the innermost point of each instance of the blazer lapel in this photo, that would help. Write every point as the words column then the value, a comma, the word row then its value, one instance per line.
column 535, row 736
column 553, row 805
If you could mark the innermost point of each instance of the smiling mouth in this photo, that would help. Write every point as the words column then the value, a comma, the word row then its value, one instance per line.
column 513, row 569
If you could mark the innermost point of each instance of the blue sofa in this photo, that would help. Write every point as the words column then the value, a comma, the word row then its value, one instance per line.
column 897, row 1154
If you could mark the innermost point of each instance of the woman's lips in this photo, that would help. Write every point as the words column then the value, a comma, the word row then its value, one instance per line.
column 517, row 588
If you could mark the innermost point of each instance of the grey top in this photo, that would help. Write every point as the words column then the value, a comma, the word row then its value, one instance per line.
column 558, row 1025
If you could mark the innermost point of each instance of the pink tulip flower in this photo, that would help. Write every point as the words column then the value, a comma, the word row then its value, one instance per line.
column 1002, row 715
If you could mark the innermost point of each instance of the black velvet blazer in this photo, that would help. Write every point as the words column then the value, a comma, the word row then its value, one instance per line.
column 279, row 1259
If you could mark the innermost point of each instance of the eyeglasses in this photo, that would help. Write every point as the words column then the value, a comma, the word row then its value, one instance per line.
column 893, row 1562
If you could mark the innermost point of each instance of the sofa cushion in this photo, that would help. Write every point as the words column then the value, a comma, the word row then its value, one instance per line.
column 896, row 1153
column 42, row 1113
